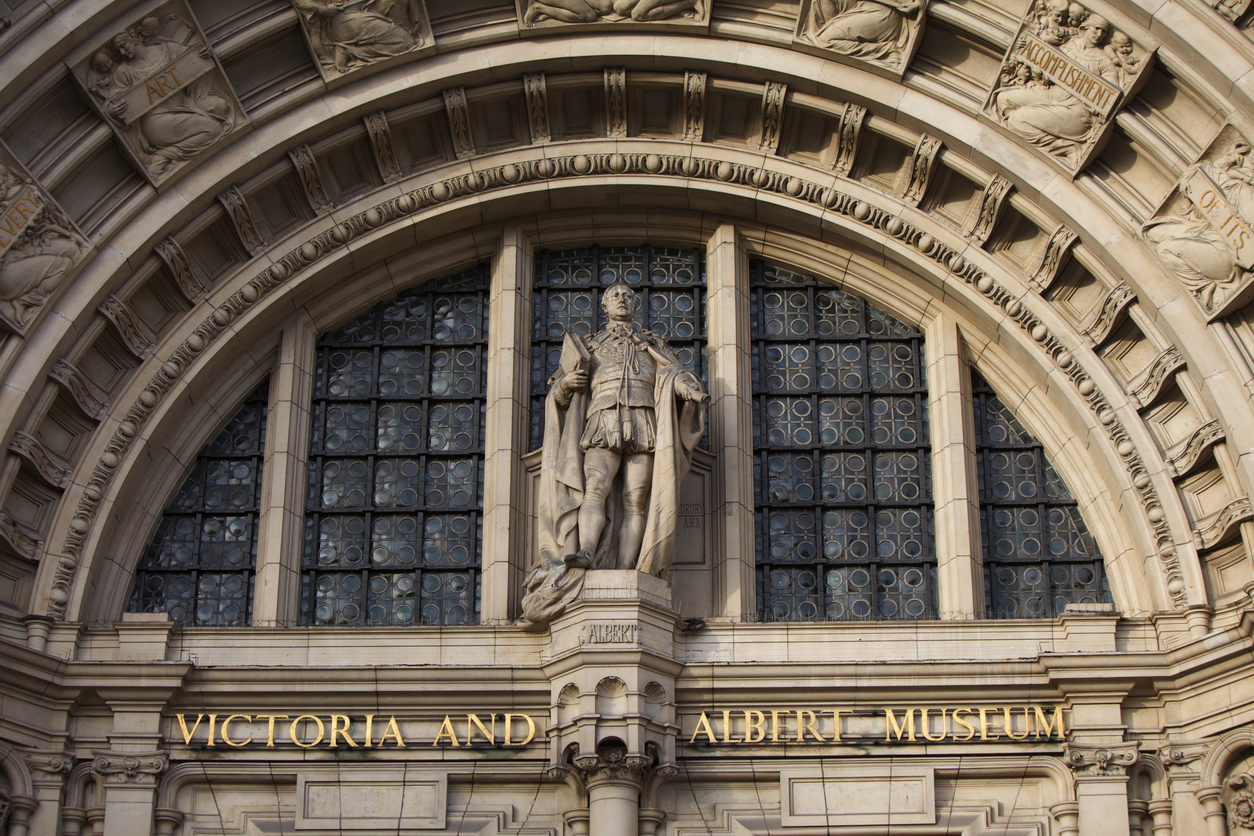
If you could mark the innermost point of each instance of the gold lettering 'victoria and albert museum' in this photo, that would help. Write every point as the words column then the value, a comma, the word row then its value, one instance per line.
column 622, row 418
column 1062, row 79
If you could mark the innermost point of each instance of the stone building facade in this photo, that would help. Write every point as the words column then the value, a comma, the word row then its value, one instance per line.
column 965, row 548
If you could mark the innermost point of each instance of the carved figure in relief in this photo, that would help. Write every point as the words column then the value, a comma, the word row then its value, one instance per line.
column 590, row 11
column 39, row 258
column 185, row 117
column 1202, row 255
column 347, row 34
column 622, row 418
column 877, row 29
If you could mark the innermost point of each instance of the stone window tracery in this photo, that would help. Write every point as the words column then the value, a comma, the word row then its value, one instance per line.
column 200, row 565
column 844, row 522
column 393, row 512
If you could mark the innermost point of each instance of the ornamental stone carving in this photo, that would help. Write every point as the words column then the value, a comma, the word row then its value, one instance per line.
column 1101, row 760
column 129, row 768
column 1238, row 800
column 1203, row 232
column 622, row 418
column 39, row 245
column 882, row 32
column 346, row 35
column 1066, row 73
column 536, row 13
column 160, row 88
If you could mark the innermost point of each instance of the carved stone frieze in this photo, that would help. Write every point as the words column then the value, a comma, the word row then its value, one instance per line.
column 160, row 88
column 882, row 33
column 773, row 95
column 537, row 94
column 51, row 468
column 39, row 245
column 1063, row 78
column 380, row 134
column 128, row 327
column 306, row 164
column 1204, row 230
column 1184, row 456
column 615, row 102
column 1100, row 760
column 849, row 133
column 347, row 36
column 22, row 539
column 1214, row 529
column 1145, row 388
column 992, row 201
column 694, row 106
column 129, row 768
column 459, row 121
column 922, row 164
column 84, row 393
column 180, row 269
column 539, row 14
column 242, row 219
column 1112, row 307
column 1049, row 261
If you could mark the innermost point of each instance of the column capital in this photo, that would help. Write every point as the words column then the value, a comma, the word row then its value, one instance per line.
column 1101, row 761
column 612, row 764
column 48, row 766
column 129, row 767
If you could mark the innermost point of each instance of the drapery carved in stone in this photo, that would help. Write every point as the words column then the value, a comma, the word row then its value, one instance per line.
column 39, row 245
column 533, row 13
column 1066, row 73
column 1204, row 230
column 160, row 88
column 346, row 36
column 882, row 32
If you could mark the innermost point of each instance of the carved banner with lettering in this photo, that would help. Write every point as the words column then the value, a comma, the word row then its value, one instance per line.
column 146, row 93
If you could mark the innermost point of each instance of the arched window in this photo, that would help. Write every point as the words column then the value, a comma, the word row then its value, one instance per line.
column 842, row 464
column 394, row 507
column 200, row 564
column 1038, row 553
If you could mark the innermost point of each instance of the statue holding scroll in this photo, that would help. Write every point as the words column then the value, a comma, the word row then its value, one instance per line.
column 622, row 418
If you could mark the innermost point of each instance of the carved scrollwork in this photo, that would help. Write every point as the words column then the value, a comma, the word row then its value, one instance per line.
column 1182, row 457
column 137, row 768
column 849, row 132
column 23, row 540
column 380, row 134
column 83, row 392
column 1214, row 529
column 694, row 106
column 459, row 121
column 615, row 101
column 52, row 468
column 922, row 164
column 537, row 107
column 119, row 313
column 773, row 95
column 180, row 269
column 1101, row 760
column 1238, row 799
column 241, row 216
column 306, row 164
column 1112, row 307
column 1145, row 388
column 992, row 200
column 1050, row 259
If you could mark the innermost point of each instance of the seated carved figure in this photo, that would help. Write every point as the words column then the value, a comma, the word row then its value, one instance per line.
column 37, row 262
column 862, row 28
column 351, row 33
column 590, row 11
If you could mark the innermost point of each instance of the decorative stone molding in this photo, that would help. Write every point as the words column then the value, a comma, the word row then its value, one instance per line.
column 344, row 38
column 1238, row 800
column 119, row 313
column 611, row 762
column 459, row 121
column 616, row 102
column 1179, row 756
column 1062, row 81
column 23, row 540
column 537, row 107
column 922, row 164
column 773, row 95
column 1112, row 307
column 992, row 201
column 537, row 14
column 49, row 767
column 822, row 196
column 83, row 392
column 1213, row 530
column 849, row 133
column 380, row 134
column 242, row 219
column 160, row 88
column 306, row 164
column 1184, row 456
column 129, row 768
column 1050, row 259
column 180, row 269
column 694, row 106
column 1090, row 761
column 51, row 468
column 1145, row 388
column 885, row 36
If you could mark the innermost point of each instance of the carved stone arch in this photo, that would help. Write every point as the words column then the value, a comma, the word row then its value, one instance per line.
column 1221, row 755
column 611, row 699
column 16, row 773
column 1147, row 780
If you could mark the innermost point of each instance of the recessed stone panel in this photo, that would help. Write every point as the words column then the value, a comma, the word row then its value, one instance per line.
column 392, row 800
column 857, row 796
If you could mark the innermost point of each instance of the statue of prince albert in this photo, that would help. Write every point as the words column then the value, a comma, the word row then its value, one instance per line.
column 621, row 420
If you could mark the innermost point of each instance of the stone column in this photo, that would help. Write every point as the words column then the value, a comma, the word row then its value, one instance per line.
column 508, row 405
column 130, row 790
column 1213, row 810
column 20, row 813
column 48, row 772
column 167, row 820
column 1138, row 812
column 1160, row 812
column 1101, row 777
column 1067, row 815
column 731, row 425
column 614, row 780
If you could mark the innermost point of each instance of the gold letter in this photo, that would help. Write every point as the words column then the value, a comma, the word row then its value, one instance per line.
column 369, row 729
column 227, row 722
column 531, row 729
column 806, row 720
column 1048, row 727
column 213, row 722
column 321, row 730
column 759, row 726
column 963, row 723
column 703, row 725
column 447, row 724
column 335, row 729
column 927, row 729
column 984, row 726
column 187, row 735
column 473, row 720
column 394, row 730
column 1010, row 726
column 775, row 725
column 835, row 712
column 270, row 730
column 890, row 724
column 727, row 738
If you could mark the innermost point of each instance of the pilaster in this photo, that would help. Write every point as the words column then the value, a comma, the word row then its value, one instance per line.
column 130, row 789
column 48, row 772
column 1101, row 779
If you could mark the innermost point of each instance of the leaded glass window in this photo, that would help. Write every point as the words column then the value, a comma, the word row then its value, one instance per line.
column 1038, row 553
column 567, row 295
column 842, row 461
column 394, row 509
column 200, row 564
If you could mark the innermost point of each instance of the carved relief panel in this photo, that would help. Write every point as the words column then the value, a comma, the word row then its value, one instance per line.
column 162, row 91
column 883, row 33
column 39, row 245
column 535, row 14
column 346, row 36
column 1204, row 230
column 1065, row 75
